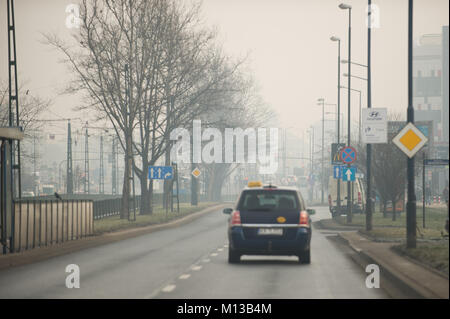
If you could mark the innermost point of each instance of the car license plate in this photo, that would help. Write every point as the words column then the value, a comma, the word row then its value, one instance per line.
column 270, row 231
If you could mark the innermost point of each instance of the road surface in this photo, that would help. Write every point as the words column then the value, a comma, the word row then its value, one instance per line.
column 191, row 262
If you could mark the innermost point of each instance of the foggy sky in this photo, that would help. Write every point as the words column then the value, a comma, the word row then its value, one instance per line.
column 292, row 58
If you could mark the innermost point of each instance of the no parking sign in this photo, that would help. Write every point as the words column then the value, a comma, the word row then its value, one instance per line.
column 348, row 155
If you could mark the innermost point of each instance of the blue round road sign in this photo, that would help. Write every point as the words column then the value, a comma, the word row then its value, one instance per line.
column 348, row 155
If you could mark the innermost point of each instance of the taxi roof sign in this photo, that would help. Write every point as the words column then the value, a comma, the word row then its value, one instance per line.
column 410, row 140
column 255, row 184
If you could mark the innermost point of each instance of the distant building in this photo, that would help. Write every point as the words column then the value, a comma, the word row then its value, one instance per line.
column 430, row 97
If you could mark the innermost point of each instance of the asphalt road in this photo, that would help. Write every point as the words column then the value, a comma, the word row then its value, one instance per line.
column 191, row 262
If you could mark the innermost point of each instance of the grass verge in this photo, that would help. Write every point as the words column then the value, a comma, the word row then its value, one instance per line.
column 434, row 255
column 385, row 227
column 159, row 216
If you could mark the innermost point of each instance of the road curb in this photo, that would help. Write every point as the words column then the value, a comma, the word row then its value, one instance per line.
column 402, row 286
column 43, row 253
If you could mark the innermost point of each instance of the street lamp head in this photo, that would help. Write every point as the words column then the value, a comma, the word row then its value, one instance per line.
column 321, row 99
column 333, row 38
column 344, row 6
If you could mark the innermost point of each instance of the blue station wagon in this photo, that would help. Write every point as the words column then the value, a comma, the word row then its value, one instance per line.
column 269, row 220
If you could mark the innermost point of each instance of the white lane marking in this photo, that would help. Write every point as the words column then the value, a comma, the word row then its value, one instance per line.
column 196, row 267
column 225, row 246
column 168, row 288
column 184, row 276
column 206, row 260
column 214, row 254
column 219, row 249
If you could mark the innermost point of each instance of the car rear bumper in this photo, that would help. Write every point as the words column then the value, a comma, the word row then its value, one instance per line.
column 269, row 245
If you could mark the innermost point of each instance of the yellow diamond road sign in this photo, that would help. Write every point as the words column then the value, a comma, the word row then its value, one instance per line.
column 410, row 140
column 196, row 172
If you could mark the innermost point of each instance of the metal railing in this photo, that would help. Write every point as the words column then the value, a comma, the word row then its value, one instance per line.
column 38, row 223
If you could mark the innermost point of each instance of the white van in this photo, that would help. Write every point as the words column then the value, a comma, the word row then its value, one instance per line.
column 359, row 197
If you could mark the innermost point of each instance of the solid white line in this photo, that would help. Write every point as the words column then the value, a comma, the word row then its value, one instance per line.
column 184, row 276
column 168, row 288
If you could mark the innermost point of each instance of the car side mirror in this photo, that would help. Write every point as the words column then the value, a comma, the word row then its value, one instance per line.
column 311, row 211
column 227, row 211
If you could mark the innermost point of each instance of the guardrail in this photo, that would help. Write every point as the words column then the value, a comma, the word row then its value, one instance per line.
column 39, row 223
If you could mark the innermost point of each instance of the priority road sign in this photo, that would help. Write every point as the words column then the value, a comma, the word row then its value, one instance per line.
column 348, row 155
column 410, row 140
column 196, row 172
column 160, row 172
column 349, row 174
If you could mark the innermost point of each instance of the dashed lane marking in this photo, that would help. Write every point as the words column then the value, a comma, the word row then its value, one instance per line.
column 214, row 254
column 196, row 267
column 184, row 276
column 206, row 260
column 168, row 288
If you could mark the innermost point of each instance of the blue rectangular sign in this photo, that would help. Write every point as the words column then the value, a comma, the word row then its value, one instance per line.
column 337, row 172
column 160, row 172
column 349, row 174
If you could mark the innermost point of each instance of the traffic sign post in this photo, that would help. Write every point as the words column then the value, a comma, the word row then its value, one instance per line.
column 160, row 172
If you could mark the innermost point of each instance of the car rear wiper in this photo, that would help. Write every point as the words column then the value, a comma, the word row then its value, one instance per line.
column 260, row 209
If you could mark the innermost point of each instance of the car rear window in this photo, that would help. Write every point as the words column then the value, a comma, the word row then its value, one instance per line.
column 268, row 200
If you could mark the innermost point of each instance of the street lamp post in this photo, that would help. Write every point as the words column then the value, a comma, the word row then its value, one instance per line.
column 411, row 203
column 349, row 8
column 369, row 209
column 359, row 121
column 322, row 102
column 338, row 40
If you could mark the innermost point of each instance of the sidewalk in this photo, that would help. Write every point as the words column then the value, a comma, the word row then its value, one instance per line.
column 410, row 277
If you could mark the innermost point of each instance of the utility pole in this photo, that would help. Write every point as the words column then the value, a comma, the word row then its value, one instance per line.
column 16, row 182
column 69, row 171
column 86, row 161
column 411, row 203
column 101, row 173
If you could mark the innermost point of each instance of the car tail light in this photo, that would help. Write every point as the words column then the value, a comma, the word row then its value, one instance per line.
column 304, row 218
column 236, row 218
column 359, row 197
column 329, row 200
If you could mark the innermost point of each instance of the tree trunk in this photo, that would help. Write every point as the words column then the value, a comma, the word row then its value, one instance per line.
column 145, row 203
column 384, row 209
column 126, row 179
